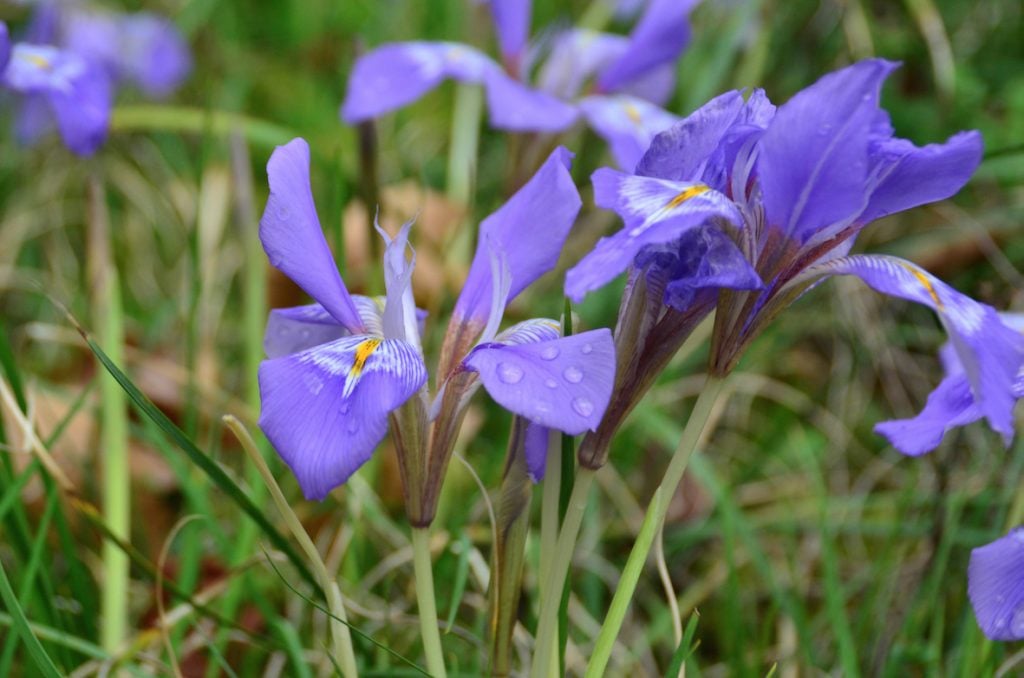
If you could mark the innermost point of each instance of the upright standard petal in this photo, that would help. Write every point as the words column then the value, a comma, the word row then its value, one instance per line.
column 660, row 36
column 995, row 585
column 529, row 231
column 627, row 124
column 153, row 55
column 512, row 24
column 291, row 234
column 991, row 353
column 400, row 317
column 536, row 448
column 654, row 211
column 813, row 158
column 513, row 106
column 563, row 383
column 325, row 409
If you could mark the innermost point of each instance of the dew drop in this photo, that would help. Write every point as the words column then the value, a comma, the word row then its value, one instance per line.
column 825, row 129
column 353, row 426
column 1017, row 624
column 551, row 383
column 587, row 349
column 549, row 353
column 583, row 407
column 573, row 374
column 345, row 407
column 509, row 373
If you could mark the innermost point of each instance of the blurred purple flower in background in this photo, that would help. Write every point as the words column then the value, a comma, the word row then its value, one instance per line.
column 631, row 77
column 995, row 585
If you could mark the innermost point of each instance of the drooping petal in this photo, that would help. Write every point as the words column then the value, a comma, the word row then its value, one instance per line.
column 995, row 585
column 660, row 36
column 529, row 230
column 654, row 211
column 395, row 75
column 628, row 125
column 153, row 54
column 910, row 176
column 513, row 106
column 576, row 55
column 91, row 34
column 813, row 160
column 292, row 330
column 949, row 406
column 291, row 234
column 325, row 409
column 681, row 152
column 512, row 24
column 536, row 448
column 990, row 352
column 563, row 383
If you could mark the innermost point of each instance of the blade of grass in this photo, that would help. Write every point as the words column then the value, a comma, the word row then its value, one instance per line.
column 161, row 118
column 19, row 622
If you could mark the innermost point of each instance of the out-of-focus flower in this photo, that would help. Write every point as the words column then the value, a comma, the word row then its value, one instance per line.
column 631, row 77
column 790, row 189
column 5, row 46
column 995, row 585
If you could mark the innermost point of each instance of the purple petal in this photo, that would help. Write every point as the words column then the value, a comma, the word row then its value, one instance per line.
column 912, row 176
column 5, row 46
column 531, row 331
column 656, row 86
column 536, row 448
column 292, row 237
column 325, row 409
column 813, row 159
column 153, row 54
column 33, row 119
column 654, row 211
column 92, row 35
column 627, row 124
column 680, row 152
column 83, row 111
column 512, row 23
column 400, row 313
column 296, row 329
column 995, row 585
column 990, row 352
column 576, row 55
column 529, row 230
column 516, row 107
column 563, row 383
column 659, row 38
column 395, row 75
column 950, row 405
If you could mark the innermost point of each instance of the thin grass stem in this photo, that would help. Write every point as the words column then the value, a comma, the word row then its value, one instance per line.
column 427, row 607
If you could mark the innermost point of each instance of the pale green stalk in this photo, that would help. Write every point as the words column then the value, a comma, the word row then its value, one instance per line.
column 547, row 625
column 549, row 526
column 425, row 601
column 465, row 136
column 340, row 635
column 653, row 520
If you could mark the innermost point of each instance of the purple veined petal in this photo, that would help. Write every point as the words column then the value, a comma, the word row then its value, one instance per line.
column 536, row 448
column 576, row 55
column 949, row 406
column 654, row 212
column 325, row 409
column 660, row 36
column 395, row 75
column 291, row 234
column 295, row 329
column 813, row 159
column 991, row 353
column 562, row 383
column 513, row 106
column 628, row 125
column 400, row 320
column 44, row 26
column 153, row 54
column 656, row 86
column 5, row 46
column 531, row 331
column 512, row 24
column 910, row 176
column 529, row 230
column 995, row 585
column 680, row 152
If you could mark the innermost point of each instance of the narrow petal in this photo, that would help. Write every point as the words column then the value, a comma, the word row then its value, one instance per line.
column 813, row 161
column 516, row 107
column 995, row 585
column 950, row 405
column 627, row 124
column 83, row 110
column 563, row 383
column 536, row 448
column 529, row 230
column 656, row 86
column 292, row 330
column 325, row 409
column 512, row 24
column 681, row 152
column 660, row 36
column 910, row 176
column 400, row 317
column 153, row 54
column 292, row 237
column 991, row 353
column 395, row 75
column 654, row 211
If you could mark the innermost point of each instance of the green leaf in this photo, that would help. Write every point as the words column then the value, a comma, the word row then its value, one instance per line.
column 35, row 649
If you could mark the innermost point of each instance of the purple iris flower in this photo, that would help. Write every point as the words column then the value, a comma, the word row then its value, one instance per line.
column 790, row 189
column 5, row 46
column 338, row 368
column 630, row 77
column 995, row 585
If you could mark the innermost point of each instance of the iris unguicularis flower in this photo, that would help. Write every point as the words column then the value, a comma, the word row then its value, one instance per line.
column 995, row 585
column 617, row 83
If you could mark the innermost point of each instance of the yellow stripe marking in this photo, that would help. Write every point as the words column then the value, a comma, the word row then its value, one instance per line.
column 363, row 352
column 36, row 60
column 691, row 192
column 926, row 284
column 633, row 114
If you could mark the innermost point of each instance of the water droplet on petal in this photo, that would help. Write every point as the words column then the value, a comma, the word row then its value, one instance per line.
column 509, row 373
column 551, row 383
column 549, row 353
column 583, row 407
column 283, row 213
column 345, row 407
column 353, row 426
column 573, row 374
column 587, row 349
column 1017, row 625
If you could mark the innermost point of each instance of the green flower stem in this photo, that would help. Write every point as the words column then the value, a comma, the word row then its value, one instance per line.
column 549, row 516
column 340, row 635
column 465, row 136
column 653, row 521
column 425, row 601
column 547, row 625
